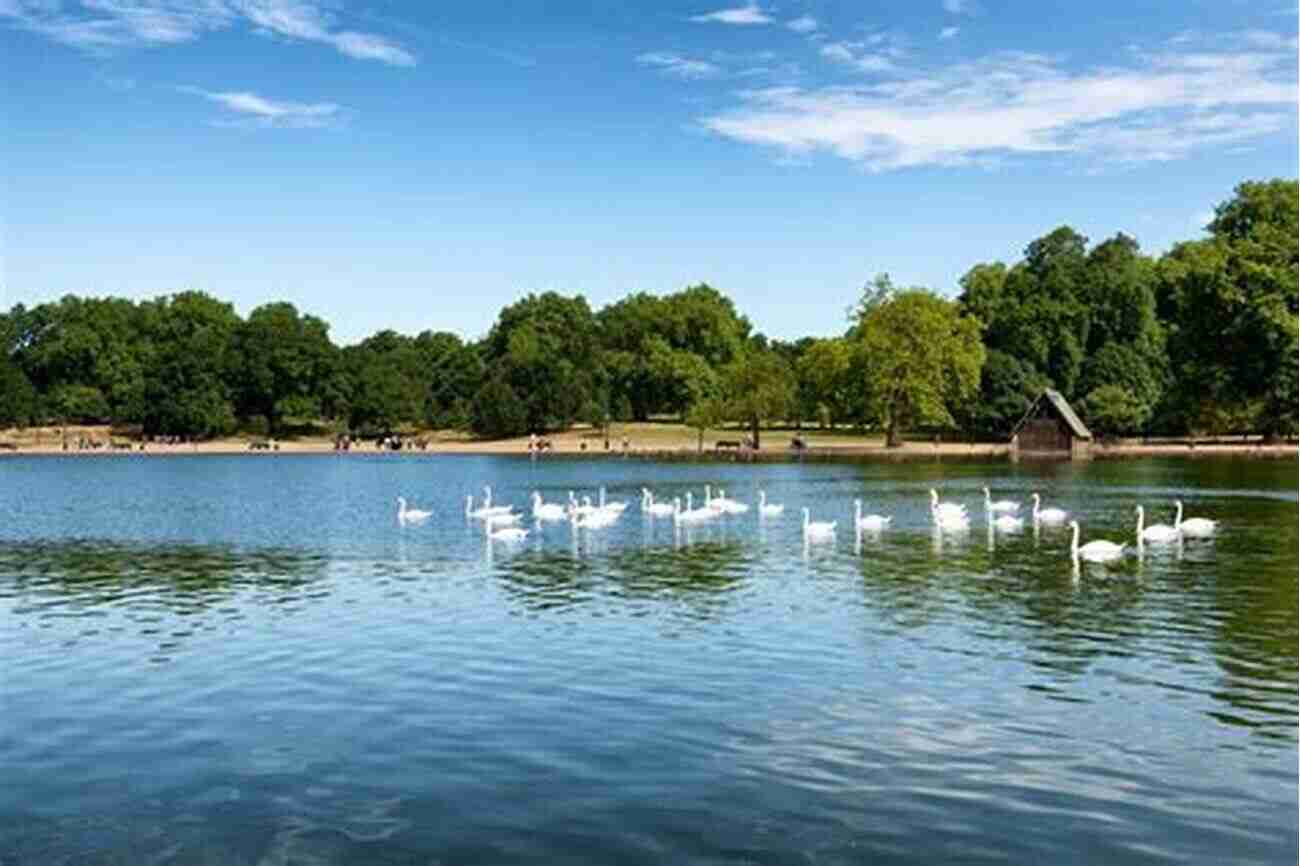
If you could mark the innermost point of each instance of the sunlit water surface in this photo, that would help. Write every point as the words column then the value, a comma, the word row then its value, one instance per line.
column 218, row 660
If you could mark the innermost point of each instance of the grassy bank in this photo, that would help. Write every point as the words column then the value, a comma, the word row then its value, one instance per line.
column 657, row 440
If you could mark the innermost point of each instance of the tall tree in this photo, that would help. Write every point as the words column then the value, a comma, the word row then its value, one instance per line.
column 924, row 358
column 758, row 386
column 283, row 363
column 1231, row 305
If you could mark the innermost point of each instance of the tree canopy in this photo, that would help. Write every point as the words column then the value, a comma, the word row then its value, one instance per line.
column 1201, row 338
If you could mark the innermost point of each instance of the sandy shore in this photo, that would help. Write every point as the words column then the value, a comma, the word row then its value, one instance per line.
column 665, row 441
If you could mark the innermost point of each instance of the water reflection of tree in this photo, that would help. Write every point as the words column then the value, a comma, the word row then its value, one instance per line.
column 701, row 575
column 1253, row 612
column 1014, row 591
column 184, row 578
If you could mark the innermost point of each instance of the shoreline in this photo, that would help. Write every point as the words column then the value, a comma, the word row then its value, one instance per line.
column 911, row 451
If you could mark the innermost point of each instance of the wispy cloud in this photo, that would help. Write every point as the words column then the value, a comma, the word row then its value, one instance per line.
column 949, row 32
column 748, row 14
column 1162, row 107
column 853, row 54
column 102, row 25
column 676, row 65
column 271, row 112
column 802, row 24
column 960, row 7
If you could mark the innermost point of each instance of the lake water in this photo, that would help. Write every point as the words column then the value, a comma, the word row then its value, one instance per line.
column 247, row 660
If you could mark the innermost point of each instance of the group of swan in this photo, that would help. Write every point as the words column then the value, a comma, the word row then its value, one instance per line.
column 499, row 520
column 1156, row 533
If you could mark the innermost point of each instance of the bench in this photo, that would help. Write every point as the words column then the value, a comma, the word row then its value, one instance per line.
column 724, row 444
column 259, row 445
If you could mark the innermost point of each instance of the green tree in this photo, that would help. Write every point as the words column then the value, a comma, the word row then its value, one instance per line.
column 191, row 336
column 1113, row 409
column 546, row 348
column 824, row 378
column 17, row 396
column 924, row 357
column 757, row 386
column 1008, row 387
column 497, row 412
column 283, row 361
column 708, row 413
column 1231, row 306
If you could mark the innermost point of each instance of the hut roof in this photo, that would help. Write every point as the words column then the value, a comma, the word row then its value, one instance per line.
column 1063, row 409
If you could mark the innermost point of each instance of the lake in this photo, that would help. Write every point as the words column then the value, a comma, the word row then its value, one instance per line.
column 247, row 660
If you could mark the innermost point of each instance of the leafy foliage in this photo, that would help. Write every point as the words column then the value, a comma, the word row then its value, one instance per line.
column 924, row 358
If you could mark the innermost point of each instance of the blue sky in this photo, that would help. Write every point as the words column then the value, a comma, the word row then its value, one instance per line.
column 419, row 165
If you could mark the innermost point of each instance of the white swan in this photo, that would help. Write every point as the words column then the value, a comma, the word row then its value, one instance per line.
column 506, row 533
column 728, row 506
column 1093, row 551
column 503, row 519
column 768, row 509
column 1156, row 533
column 1048, row 515
column 410, row 515
column 1194, row 527
column 546, row 510
column 582, row 510
column 655, row 509
column 595, row 519
column 945, row 508
column 872, row 522
column 691, row 514
column 1002, row 506
column 817, row 529
column 613, row 507
column 1007, row 523
column 951, row 521
column 487, row 509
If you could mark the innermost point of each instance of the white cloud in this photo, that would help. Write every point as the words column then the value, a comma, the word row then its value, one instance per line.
column 367, row 46
column 101, row 25
column 270, row 112
column 949, row 32
column 960, row 7
column 749, row 14
column 852, row 54
column 681, row 67
column 802, row 24
column 1017, row 103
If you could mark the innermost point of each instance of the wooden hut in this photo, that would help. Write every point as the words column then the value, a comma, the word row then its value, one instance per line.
column 1051, row 429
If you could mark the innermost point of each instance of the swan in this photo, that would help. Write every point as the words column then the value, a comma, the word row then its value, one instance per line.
column 506, row 533
column 1194, row 527
column 612, row 507
column 503, row 519
column 488, row 507
column 702, row 513
column 595, row 519
column 817, row 528
column 873, row 522
column 410, row 515
column 947, row 508
column 728, row 506
column 767, row 509
column 690, row 515
column 656, row 509
column 951, row 522
column 1007, row 523
column 486, row 510
column 1156, row 533
column 1002, row 506
column 546, row 510
column 1093, row 551
column 1048, row 515
column 582, row 510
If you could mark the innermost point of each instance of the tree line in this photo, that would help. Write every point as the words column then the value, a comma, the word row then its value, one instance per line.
column 1200, row 339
